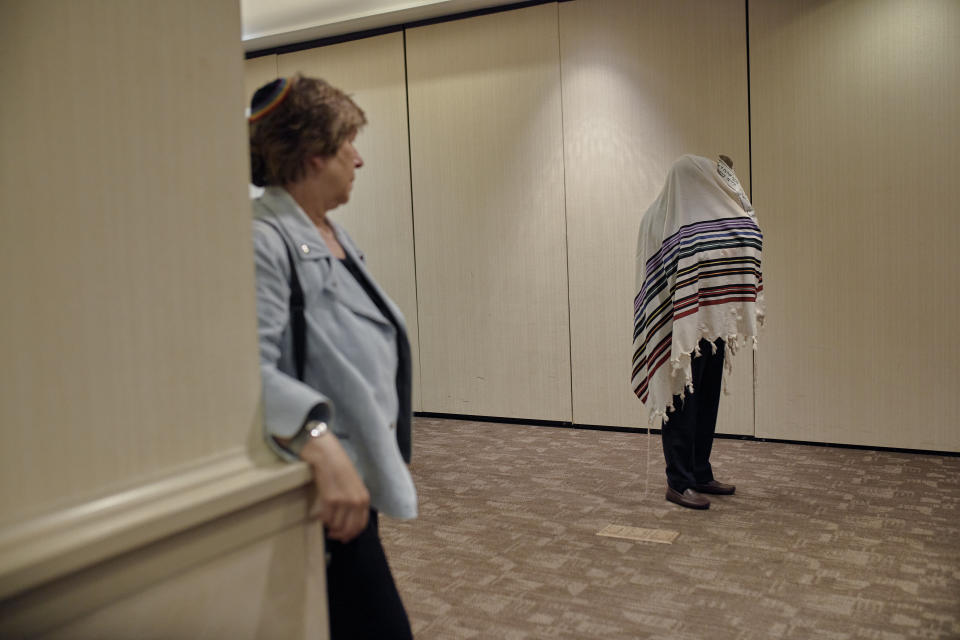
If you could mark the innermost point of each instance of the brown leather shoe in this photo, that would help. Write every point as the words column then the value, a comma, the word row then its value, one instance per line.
column 689, row 499
column 716, row 488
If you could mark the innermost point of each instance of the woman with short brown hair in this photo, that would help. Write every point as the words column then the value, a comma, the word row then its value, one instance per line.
column 334, row 354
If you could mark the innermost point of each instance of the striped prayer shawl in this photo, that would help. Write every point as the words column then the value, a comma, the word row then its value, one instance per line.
column 698, row 276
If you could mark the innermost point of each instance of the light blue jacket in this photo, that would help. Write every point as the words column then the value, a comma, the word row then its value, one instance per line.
column 351, row 370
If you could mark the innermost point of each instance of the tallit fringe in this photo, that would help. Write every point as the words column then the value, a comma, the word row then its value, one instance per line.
column 680, row 364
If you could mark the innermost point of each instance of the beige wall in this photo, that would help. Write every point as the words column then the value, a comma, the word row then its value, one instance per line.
column 258, row 72
column 487, row 160
column 130, row 448
column 129, row 338
column 852, row 125
column 855, row 137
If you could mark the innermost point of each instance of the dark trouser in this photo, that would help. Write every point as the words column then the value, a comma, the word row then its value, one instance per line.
column 688, row 433
column 363, row 599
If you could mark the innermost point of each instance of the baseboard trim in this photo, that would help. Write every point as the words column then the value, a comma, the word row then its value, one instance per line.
column 728, row 436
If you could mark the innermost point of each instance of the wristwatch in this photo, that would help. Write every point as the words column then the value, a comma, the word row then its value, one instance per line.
column 312, row 430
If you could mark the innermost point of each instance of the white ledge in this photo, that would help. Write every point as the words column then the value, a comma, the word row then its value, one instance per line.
column 305, row 20
column 48, row 547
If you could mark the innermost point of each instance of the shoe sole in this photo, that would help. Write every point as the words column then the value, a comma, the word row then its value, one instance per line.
column 688, row 505
column 715, row 493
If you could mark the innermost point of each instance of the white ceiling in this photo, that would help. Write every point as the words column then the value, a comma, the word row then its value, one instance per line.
column 273, row 23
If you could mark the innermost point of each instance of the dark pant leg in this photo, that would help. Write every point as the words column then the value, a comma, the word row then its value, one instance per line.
column 708, row 403
column 677, row 434
column 362, row 597
column 688, row 434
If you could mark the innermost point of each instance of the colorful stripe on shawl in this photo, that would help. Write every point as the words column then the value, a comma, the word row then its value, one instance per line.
column 729, row 273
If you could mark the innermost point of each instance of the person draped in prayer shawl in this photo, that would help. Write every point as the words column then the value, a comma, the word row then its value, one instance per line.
column 699, row 297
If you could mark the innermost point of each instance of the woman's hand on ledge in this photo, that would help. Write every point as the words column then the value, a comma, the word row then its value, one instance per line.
column 342, row 500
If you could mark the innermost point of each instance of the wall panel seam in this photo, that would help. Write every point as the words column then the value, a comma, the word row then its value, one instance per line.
column 566, row 226
column 413, row 221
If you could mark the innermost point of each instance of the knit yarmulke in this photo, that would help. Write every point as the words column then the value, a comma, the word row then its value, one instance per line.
column 268, row 97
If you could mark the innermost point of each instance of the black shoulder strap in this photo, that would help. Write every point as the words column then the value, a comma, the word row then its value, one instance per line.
column 298, row 323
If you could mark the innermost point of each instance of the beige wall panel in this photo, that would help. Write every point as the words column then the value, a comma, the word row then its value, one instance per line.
column 643, row 83
column 258, row 72
column 129, row 332
column 378, row 216
column 485, row 127
column 258, row 573
column 855, row 139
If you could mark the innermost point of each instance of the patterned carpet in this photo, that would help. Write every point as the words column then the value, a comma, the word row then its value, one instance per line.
column 817, row 542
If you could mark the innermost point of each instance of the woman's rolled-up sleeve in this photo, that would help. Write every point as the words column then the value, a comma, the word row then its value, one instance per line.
column 287, row 402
